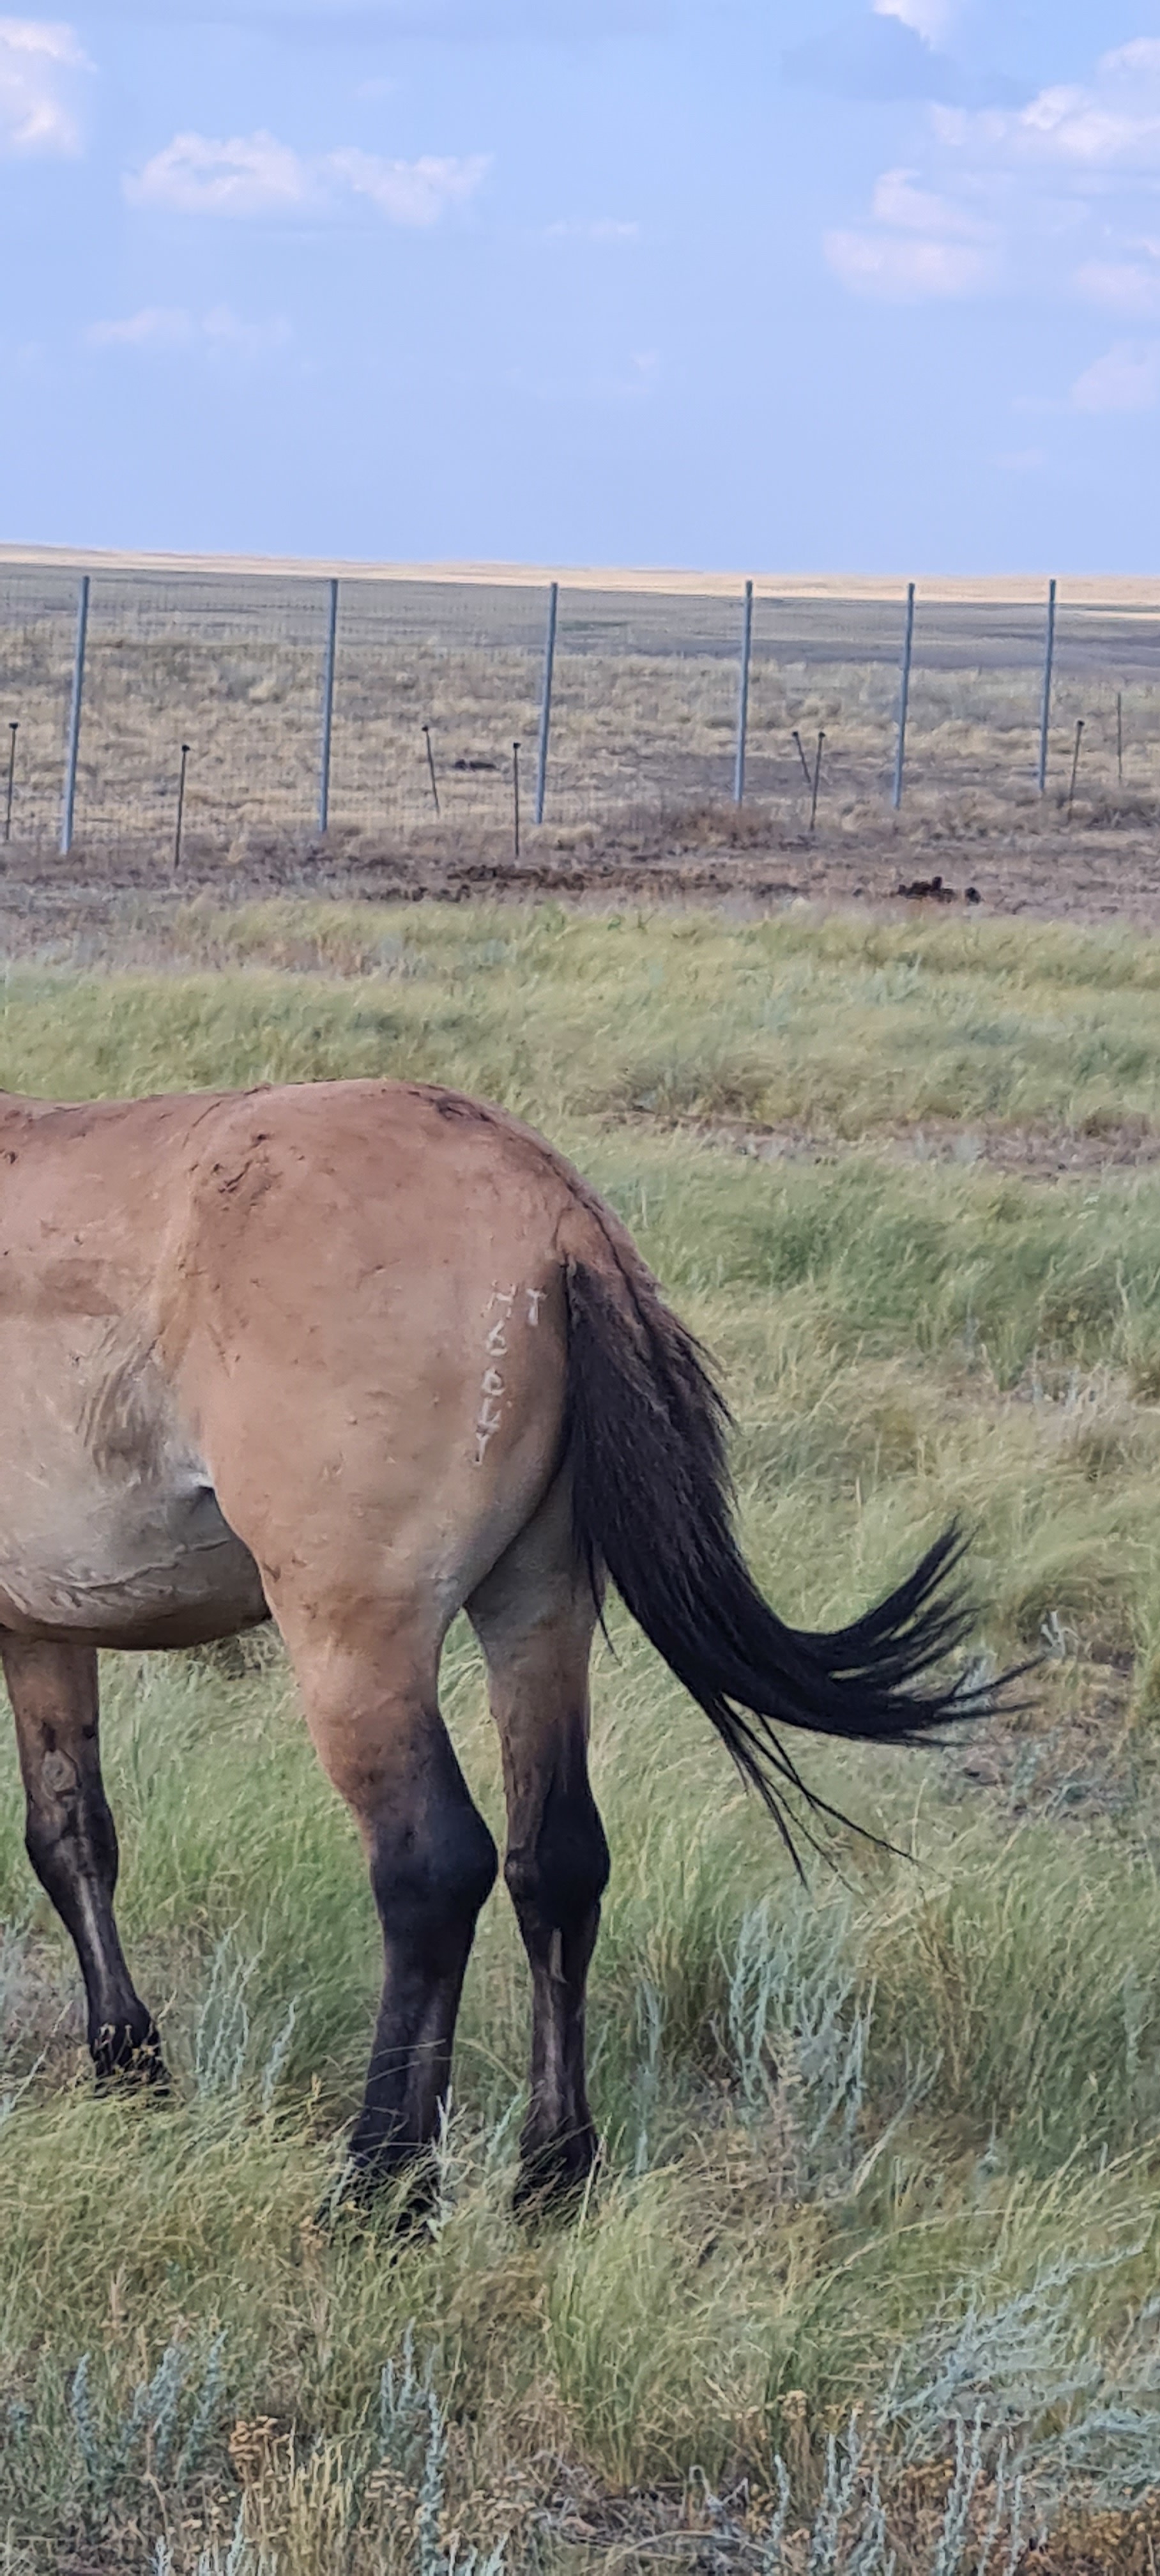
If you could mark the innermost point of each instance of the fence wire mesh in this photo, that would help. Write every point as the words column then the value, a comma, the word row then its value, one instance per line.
column 436, row 681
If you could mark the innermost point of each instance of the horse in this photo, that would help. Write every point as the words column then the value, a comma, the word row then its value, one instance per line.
column 355, row 1357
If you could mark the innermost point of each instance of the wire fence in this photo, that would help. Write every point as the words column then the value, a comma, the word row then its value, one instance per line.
column 172, row 711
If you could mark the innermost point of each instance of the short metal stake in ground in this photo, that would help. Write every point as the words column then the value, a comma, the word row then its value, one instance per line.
column 1074, row 768
column 327, row 706
column 743, row 696
column 431, row 767
column 180, row 808
column 903, row 699
column 1048, row 668
column 13, row 730
column 546, row 700
column 516, row 795
column 806, row 771
column 1120, row 736
column 817, row 780
column 72, row 755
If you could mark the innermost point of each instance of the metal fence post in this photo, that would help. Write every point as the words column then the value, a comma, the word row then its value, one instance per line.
column 1048, row 666
column 327, row 707
column 546, row 700
column 74, row 721
column 743, row 696
column 180, row 808
column 13, row 730
column 904, row 699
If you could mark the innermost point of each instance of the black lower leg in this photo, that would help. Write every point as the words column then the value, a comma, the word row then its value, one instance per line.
column 430, row 1876
column 557, row 1873
column 72, row 1844
column 76, row 1863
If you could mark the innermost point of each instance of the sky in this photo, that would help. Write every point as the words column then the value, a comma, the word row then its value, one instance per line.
column 834, row 285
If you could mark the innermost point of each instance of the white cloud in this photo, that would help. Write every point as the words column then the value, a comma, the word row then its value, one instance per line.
column 921, row 245
column 409, row 192
column 903, row 269
column 169, row 326
column 1111, row 123
column 39, row 60
column 930, row 19
column 254, row 174
column 156, row 326
column 1055, row 198
column 223, row 329
column 898, row 203
column 1127, row 378
column 1120, row 286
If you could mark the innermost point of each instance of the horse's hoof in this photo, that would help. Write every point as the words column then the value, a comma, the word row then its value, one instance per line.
column 554, row 2181
column 400, row 2194
column 128, row 2059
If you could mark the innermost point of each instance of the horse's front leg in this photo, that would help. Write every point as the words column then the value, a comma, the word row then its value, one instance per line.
column 371, row 1707
column 72, row 1841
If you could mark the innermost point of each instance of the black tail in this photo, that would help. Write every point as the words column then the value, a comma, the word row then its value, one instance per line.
column 653, row 1506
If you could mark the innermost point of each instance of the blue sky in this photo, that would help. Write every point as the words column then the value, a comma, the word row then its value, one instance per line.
column 781, row 284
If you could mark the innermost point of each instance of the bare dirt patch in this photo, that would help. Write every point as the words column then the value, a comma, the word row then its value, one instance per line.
column 1102, row 867
column 1045, row 1153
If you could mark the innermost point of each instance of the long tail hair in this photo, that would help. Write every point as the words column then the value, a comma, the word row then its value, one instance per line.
column 653, row 1507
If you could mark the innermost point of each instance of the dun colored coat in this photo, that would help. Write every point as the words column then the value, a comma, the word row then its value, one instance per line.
column 358, row 1356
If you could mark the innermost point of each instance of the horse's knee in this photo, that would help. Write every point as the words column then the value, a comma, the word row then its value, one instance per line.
column 558, row 1871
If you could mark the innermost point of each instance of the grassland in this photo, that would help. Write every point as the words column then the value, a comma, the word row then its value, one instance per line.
column 872, row 2270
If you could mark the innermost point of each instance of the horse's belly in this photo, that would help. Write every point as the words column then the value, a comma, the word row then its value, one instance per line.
column 137, row 1569
column 109, row 1525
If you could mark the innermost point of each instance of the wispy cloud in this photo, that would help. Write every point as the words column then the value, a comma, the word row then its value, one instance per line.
column 1130, row 286
column 40, row 60
column 608, row 229
column 930, row 19
column 902, row 270
column 919, row 244
column 171, row 326
column 250, row 174
column 1051, row 197
column 408, row 192
column 156, row 326
column 894, row 52
column 634, row 380
column 1109, row 124
column 1125, row 379
column 255, row 175
column 358, row 22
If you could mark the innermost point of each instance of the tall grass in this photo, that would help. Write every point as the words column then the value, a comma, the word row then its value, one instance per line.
column 870, row 2270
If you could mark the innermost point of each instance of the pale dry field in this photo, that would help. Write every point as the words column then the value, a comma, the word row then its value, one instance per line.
column 644, row 713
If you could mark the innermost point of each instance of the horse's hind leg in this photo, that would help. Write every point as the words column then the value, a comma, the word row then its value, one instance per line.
column 370, row 1702
column 535, row 1616
column 72, row 1841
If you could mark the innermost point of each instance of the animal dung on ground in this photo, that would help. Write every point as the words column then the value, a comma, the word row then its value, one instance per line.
column 932, row 890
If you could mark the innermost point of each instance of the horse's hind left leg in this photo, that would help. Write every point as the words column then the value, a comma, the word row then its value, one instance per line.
column 369, row 1695
column 72, row 1841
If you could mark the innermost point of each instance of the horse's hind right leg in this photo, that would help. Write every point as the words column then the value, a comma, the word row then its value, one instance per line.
column 534, row 1616
column 72, row 1841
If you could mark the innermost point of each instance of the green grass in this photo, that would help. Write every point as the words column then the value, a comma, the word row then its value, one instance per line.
column 887, row 2149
